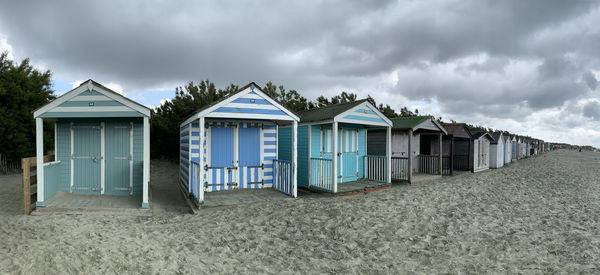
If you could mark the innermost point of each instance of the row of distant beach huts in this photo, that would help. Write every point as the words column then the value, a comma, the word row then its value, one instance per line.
column 250, row 141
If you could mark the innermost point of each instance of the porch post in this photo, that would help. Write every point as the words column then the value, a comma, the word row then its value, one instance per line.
column 441, row 161
column 201, row 161
column 471, row 155
column 388, row 153
column 334, row 152
column 295, row 158
column 39, row 149
column 410, row 156
column 452, row 155
column 146, row 176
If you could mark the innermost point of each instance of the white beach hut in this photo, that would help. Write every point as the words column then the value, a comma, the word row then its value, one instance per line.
column 497, row 150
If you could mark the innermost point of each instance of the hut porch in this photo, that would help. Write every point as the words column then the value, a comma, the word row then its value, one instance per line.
column 242, row 196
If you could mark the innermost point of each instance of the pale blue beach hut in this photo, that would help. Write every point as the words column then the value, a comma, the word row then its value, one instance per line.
column 332, row 148
column 233, row 145
column 102, row 145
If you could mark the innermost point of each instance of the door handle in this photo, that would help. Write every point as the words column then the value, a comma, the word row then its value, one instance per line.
column 95, row 159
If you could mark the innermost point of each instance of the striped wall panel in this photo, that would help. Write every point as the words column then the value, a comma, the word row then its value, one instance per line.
column 364, row 114
column 183, row 156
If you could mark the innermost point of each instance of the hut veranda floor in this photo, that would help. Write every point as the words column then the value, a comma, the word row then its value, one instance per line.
column 538, row 215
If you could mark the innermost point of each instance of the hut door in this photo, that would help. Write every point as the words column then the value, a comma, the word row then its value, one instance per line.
column 349, row 154
column 250, row 164
column 221, row 174
column 86, row 158
column 119, row 159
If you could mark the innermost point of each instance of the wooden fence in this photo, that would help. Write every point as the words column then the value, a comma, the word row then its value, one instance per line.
column 321, row 170
column 29, row 166
column 8, row 166
column 428, row 164
column 400, row 168
column 283, row 177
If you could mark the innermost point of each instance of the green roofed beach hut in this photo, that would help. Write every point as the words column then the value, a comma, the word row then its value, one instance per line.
column 416, row 147
column 102, row 146
column 332, row 148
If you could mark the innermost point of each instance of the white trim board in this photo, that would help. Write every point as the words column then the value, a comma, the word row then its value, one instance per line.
column 366, row 104
column 207, row 112
column 89, row 86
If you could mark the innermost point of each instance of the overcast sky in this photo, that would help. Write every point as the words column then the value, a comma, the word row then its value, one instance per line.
column 530, row 67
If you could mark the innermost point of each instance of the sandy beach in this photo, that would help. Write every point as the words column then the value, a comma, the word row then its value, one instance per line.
column 539, row 215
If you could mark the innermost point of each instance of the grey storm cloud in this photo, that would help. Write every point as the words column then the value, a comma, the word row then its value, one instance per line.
column 592, row 110
column 537, row 54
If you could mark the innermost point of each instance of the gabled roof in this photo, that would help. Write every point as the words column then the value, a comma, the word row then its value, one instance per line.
column 496, row 136
column 357, row 112
column 249, row 102
column 100, row 94
column 451, row 128
column 415, row 123
column 478, row 135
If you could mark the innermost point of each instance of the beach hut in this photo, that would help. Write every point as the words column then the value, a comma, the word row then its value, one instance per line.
column 514, row 142
column 457, row 145
column 481, row 151
column 497, row 150
column 232, row 145
column 508, row 149
column 527, row 143
column 416, row 147
column 332, row 148
column 521, row 148
column 102, row 145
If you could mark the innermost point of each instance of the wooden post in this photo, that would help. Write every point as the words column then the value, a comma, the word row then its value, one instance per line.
column 146, row 165
column 388, row 152
column 440, row 154
column 410, row 155
column 201, row 160
column 39, row 145
column 471, row 155
column 294, row 158
column 452, row 155
column 334, row 151
column 26, row 186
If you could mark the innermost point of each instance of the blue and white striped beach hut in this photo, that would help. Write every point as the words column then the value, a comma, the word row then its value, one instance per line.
column 233, row 145
column 318, row 143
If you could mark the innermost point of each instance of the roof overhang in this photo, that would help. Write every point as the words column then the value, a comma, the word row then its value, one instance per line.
column 369, row 116
column 90, row 85
column 252, row 87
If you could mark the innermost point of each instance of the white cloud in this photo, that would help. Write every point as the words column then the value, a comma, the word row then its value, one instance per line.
column 4, row 46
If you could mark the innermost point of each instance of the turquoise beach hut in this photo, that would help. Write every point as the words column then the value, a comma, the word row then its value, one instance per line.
column 339, row 130
column 232, row 145
column 102, row 145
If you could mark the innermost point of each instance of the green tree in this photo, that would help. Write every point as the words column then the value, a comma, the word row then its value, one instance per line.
column 291, row 100
column 171, row 113
column 23, row 89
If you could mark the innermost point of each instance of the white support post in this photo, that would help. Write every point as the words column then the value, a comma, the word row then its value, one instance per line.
column 102, row 163
column 410, row 155
column 189, row 152
column 334, row 152
column 310, row 175
column 295, row 158
column 201, row 162
column 39, row 149
column 146, row 176
column 440, row 153
column 388, row 153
